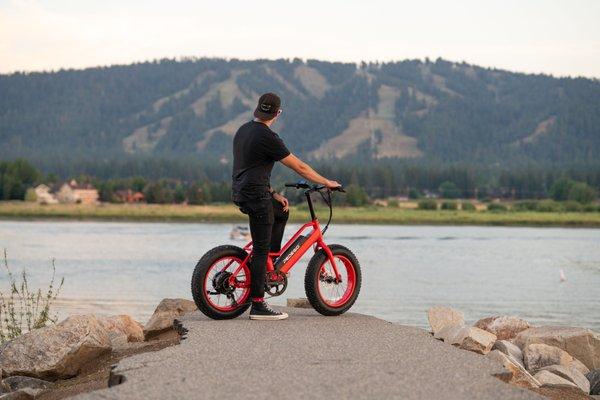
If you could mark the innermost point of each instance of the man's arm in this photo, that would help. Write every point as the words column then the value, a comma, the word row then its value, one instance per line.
column 305, row 170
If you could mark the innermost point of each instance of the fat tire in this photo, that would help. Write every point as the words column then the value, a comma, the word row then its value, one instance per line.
column 199, row 274
column 311, row 280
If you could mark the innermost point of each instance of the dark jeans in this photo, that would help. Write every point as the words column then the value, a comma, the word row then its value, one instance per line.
column 267, row 223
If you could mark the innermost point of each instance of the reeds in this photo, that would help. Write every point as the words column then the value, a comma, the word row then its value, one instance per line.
column 23, row 309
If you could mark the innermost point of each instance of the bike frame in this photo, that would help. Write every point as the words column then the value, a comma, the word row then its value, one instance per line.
column 314, row 240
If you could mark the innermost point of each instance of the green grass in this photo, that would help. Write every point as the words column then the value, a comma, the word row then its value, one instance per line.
column 229, row 213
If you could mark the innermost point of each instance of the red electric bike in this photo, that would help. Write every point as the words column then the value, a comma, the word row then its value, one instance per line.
column 221, row 279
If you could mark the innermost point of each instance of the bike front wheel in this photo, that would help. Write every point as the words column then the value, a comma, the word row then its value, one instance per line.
column 325, row 292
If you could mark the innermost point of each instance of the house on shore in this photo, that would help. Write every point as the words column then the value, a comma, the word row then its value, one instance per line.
column 129, row 196
column 72, row 192
column 43, row 195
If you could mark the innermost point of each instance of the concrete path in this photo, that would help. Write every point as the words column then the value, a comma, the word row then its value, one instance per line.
column 308, row 356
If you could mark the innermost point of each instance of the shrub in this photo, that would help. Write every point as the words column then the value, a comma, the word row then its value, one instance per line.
column 526, row 205
column 414, row 194
column 356, row 196
column 468, row 207
column 582, row 193
column 496, row 207
column 560, row 189
column 449, row 205
column 549, row 206
column 427, row 204
column 572, row 206
column 30, row 195
column 393, row 203
column 449, row 190
column 591, row 208
column 24, row 309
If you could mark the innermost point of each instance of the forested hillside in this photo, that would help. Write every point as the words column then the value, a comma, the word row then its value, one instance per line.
column 432, row 112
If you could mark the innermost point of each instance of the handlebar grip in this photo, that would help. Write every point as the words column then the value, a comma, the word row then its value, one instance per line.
column 291, row 185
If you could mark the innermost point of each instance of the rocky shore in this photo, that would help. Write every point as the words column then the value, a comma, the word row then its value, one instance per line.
column 557, row 362
column 78, row 355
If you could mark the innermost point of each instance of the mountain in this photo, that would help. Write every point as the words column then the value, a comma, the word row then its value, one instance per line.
column 442, row 112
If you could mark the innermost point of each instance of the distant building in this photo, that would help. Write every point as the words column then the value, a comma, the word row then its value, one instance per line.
column 72, row 192
column 430, row 195
column 44, row 196
column 380, row 202
column 129, row 196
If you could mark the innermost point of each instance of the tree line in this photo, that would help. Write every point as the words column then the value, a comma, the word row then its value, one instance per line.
column 197, row 182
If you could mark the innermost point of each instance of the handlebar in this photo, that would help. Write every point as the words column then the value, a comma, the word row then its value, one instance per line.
column 313, row 188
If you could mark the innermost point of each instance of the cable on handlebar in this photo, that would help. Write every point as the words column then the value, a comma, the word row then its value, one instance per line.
column 328, row 202
column 319, row 188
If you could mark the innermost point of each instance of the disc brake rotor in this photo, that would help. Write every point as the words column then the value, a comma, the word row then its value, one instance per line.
column 326, row 278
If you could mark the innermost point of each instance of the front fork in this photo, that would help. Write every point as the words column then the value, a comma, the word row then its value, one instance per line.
column 331, row 259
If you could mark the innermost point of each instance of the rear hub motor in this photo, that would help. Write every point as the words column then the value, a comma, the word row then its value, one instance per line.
column 221, row 283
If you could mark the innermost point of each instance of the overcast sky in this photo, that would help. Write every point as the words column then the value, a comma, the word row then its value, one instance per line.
column 555, row 37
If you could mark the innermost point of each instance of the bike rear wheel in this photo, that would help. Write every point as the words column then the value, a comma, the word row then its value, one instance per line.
column 325, row 293
column 212, row 290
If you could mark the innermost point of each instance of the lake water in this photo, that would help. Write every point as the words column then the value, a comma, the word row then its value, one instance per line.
column 128, row 268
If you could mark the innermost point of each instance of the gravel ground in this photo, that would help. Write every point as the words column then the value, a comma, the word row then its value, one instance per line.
column 308, row 356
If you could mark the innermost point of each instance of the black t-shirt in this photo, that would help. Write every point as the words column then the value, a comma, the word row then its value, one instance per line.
column 255, row 149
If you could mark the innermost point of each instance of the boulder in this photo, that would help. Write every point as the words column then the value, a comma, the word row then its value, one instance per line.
column 298, row 303
column 547, row 378
column 594, row 378
column 55, row 352
column 478, row 341
column 118, row 325
column 509, row 349
column 562, row 393
column 570, row 374
column 17, row 382
column 23, row 394
column 580, row 366
column 117, row 340
column 440, row 317
column 454, row 334
column 537, row 356
column 166, row 312
column 518, row 376
column 504, row 327
column 583, row 344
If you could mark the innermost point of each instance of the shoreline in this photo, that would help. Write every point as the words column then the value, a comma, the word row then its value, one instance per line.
column 18, row 211
column 496, row 358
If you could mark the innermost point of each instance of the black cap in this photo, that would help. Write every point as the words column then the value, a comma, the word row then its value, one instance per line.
column 268, row 106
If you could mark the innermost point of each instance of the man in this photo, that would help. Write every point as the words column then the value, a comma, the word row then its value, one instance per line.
column 256, row 148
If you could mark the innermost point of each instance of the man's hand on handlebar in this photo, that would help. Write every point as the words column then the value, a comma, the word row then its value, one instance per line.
column 331, row 185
